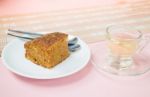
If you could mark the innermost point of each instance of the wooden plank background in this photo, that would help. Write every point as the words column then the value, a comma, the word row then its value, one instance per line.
column 88, row 23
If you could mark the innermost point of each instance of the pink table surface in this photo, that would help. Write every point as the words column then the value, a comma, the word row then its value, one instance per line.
column 86, row 83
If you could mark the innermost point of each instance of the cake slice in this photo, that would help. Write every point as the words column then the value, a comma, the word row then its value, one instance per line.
column 47, row 50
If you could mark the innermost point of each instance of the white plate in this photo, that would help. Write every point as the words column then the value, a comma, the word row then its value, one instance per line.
column 14, row 59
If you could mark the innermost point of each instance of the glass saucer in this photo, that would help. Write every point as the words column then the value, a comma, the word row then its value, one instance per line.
column 102, row 61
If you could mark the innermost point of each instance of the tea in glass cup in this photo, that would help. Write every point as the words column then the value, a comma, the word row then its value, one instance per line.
column 123, row 46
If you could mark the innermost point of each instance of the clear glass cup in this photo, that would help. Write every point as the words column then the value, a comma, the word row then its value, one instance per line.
column 124, row 44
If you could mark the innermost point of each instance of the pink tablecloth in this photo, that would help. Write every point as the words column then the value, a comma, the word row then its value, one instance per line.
column 86, row 83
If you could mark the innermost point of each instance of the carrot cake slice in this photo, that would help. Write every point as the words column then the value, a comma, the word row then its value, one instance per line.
column 47, row 50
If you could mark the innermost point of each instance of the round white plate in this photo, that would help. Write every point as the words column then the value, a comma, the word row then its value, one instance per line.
column 13, row 56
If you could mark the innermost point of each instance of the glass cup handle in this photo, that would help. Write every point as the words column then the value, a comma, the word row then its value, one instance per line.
column 146, row 42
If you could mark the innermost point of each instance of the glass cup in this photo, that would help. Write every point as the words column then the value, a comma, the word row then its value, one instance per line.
column 123, row 43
